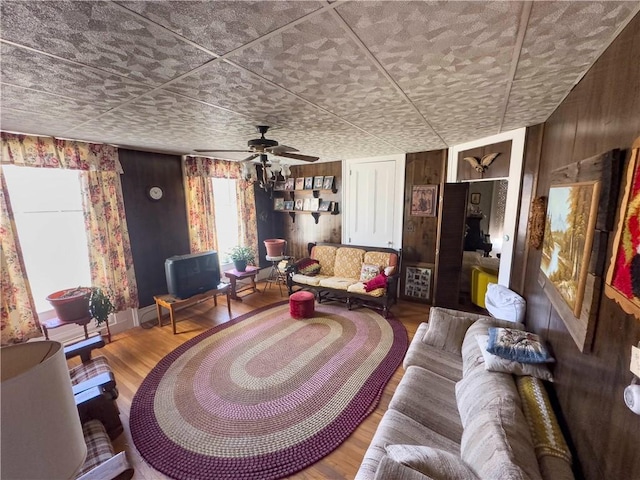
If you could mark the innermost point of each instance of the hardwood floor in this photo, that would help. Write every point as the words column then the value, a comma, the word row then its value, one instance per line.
column 132, row 354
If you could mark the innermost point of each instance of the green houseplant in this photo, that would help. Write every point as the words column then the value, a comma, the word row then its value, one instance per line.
column 101, row 306
column 241, row 256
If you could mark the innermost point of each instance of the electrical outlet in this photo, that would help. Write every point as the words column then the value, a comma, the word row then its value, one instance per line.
column 635, row 361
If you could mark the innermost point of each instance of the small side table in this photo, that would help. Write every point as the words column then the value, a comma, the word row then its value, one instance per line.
column 56, row 322
column 170, row 302
column 234, row 275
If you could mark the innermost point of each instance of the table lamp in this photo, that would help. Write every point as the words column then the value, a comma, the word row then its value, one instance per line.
column 41, row 431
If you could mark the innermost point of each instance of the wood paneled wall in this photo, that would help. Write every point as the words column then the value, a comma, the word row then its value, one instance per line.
column 157, row 230
column 304, row 230
column 601, row 113
column 419, row 233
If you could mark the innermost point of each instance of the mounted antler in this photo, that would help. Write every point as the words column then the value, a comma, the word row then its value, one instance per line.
column 481, row 165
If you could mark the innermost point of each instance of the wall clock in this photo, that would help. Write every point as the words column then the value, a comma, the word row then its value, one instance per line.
column 155, row 193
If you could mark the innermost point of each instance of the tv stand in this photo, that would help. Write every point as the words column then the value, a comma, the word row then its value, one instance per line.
column 171, row 302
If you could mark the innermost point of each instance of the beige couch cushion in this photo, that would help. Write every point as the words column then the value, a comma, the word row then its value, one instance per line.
column 326, row 255
column 480, row 389
column 308, row 280
column 384, row 259
column 432, row 462
column 448, row 365
column 447, row 329
column 348, row 263
column 338, row 283
column 428, row 398
column 397, row 428
column 496, row 444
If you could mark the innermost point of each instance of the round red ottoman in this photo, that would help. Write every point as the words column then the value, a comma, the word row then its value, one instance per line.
column 302, row 304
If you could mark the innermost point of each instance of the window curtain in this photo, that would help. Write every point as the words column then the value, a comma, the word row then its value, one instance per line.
column 200, row 206
column 18, row 320
column 110, row 258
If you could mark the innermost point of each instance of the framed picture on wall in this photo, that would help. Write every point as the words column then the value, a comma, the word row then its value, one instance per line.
column 289, row 184
column 308, row 183
column 622, row 283
column 424, row 200
column 317, row 182
column 417, row 281
column 300, row 183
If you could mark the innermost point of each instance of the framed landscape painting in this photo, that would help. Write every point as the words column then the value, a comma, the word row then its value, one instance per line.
column 568, row 236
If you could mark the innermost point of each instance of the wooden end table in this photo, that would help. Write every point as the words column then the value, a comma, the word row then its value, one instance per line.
column 234, row 275
column 170, row 302
column 56, row 322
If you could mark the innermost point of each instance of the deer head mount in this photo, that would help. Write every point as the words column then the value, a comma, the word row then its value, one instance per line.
column 481, row 165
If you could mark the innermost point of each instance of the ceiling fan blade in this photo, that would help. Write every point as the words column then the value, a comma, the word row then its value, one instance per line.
column 220, row 151
column 296, row 156
column 280, row 149
column 250, row 157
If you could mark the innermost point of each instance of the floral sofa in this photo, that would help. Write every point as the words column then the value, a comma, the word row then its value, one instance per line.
column 347, row 273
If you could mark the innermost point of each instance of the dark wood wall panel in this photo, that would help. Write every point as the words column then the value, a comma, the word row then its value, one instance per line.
column 499, row 168
column 159, row 229
column 601, row 113
column 270, row 223
column 304, row 230
column 419, row 234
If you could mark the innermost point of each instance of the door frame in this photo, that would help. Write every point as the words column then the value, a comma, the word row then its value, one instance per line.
column 398, row 200
column 516, row 162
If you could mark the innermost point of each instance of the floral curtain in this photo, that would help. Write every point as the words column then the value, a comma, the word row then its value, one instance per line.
column 200, row 202
column 110, row 257
column 18, row 320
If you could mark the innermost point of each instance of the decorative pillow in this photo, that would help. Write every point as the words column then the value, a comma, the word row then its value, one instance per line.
column 379, row 281
column 447, row 329
column 308, row 266
column 368, row 271
column 388, row 271
column 431, row 462
column 517, row 345
column 494, row 363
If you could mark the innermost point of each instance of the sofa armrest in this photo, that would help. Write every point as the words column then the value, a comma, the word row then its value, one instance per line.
column 84, row 348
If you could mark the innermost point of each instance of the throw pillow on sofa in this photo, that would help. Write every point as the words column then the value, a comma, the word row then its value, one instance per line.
column 494, row 363
column 379, row 281
column 518, row 345
column 368, row 272
column 308, row 266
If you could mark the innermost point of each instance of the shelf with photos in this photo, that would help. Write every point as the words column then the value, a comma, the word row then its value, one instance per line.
column 313, row 206
column 315, row 185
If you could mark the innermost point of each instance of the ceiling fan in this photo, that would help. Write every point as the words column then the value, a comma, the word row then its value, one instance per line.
column 262, row 146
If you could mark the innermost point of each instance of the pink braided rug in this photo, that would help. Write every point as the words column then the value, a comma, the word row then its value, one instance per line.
column 264, row 396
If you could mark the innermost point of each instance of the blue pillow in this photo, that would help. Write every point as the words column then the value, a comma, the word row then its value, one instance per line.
column 517, row 345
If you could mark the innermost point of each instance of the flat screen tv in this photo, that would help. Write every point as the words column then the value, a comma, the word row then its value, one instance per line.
column 190, row 274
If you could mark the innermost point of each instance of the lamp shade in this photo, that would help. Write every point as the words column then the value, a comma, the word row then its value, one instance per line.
column 41, row 431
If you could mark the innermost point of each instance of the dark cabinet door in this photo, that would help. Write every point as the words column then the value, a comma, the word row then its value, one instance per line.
column 451, row 229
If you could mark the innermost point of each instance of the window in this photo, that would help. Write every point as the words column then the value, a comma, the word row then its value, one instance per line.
column 226, row 211
column 47, row 207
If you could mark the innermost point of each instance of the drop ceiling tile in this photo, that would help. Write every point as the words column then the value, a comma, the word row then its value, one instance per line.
column 426, row 45
column 222, row 26
column 101, row 35
column 465, row 115
column 533, row 100
column 28, row 69
column 228, row 86
column 164, row 115
column 28, row 101
column 318, row 61
column 568, row 35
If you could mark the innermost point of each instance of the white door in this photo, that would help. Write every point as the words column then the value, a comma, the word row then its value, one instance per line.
column 370, row 203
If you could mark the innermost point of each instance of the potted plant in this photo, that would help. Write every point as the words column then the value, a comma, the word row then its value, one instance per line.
column 71, row 303
column 100, row 307
column 241, row 256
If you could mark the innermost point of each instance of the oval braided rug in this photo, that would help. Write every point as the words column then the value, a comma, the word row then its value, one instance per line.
column 264, row 396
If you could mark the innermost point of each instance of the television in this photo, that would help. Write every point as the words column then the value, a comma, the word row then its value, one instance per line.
column 190, row 274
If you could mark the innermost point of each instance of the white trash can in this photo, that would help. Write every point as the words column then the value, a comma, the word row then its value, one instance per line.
column 504, row 303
